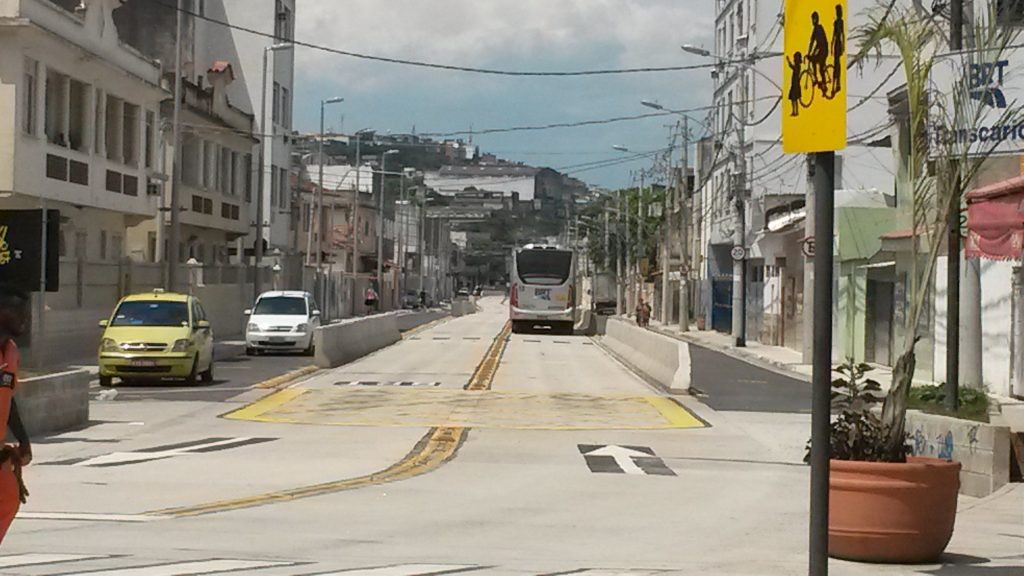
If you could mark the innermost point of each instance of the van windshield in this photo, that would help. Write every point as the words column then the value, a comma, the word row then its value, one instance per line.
column 151, row 313
column 280, row 306
column 544, row 267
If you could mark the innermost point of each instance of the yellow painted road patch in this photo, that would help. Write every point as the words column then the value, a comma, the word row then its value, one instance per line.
column 430, row 408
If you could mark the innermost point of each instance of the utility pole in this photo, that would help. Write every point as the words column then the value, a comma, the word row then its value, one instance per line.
column 684, row 232
column 823, row 179
column 620, row 257
column 640, row 251
column 171, row 255
column 670, row 203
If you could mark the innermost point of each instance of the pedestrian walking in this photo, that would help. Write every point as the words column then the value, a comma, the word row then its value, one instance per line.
column 13, row 318
column 371, row 299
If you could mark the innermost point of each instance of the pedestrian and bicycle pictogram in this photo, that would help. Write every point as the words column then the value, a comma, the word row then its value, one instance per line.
column 813, row 69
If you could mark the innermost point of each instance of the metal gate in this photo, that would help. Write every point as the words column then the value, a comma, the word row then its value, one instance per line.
column 721, row 305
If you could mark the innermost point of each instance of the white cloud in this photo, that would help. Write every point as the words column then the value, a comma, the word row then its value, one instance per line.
column 510, row 34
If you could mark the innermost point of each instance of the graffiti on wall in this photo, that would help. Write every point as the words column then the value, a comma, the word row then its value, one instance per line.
column 941, row 445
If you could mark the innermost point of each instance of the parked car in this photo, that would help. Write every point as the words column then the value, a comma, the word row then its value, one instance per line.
column 462, row 293
column 156, row 335
column 282, row 321
column 411, row 300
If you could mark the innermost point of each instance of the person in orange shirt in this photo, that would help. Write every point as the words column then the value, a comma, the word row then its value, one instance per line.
column 13, row 318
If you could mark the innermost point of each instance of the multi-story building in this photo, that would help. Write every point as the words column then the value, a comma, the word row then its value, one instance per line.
column 80, row 132
column 749, row 183
column 81, row 129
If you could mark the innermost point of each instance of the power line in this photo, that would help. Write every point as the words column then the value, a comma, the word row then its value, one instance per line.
column 448, row 67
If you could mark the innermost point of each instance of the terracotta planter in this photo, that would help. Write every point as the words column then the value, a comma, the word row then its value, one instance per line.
column 899, row 513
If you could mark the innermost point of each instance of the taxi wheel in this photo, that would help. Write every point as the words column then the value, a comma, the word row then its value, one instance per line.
column 191, row 378
column 106, row 381
column 207, row 375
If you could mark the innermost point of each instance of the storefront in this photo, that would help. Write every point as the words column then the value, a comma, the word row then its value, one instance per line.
column 995, row 222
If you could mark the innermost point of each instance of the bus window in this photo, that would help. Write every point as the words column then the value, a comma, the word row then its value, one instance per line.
column 544, row 267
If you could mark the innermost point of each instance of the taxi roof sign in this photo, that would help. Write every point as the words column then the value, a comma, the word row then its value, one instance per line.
column 814, row 76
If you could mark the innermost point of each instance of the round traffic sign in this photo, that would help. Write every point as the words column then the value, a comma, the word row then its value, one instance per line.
column 808, row 247
column 738, row 253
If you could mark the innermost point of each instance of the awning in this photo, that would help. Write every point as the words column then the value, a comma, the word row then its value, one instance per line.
column 995, row 221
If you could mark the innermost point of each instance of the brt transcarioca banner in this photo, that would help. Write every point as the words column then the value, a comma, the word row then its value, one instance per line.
column 22, row 240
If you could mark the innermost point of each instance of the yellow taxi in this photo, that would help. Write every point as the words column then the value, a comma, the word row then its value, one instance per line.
column 156, row 335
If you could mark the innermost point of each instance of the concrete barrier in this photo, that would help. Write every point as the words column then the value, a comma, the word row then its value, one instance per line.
column 664, row 360
column 408, row 320
column 55, row 402
column 983, row 450
column 351, row 339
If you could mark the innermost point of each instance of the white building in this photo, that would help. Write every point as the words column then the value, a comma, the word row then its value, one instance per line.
column 79, row 123
column 509, row 179
column 746, row 163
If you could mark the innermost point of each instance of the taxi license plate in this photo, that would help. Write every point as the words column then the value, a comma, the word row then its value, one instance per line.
column 277, row 338
column 143, row 363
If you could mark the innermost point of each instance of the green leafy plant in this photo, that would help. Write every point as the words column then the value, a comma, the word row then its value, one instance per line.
column 973, row 403
column 858, row 432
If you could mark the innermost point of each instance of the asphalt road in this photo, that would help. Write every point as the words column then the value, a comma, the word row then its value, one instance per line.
column 232, row 376
column 730, row 384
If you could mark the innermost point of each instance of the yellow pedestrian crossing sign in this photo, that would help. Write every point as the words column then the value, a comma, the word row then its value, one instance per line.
column 814, row 74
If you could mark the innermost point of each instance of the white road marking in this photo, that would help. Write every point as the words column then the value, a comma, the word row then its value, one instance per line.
column 614, row 572
column 18, row 560
column 405, row 570
column 186, row 568
column 130, row 457
column 88, row 517
column 623, row 457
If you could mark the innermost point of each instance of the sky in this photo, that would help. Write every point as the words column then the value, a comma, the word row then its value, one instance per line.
column 535, row 35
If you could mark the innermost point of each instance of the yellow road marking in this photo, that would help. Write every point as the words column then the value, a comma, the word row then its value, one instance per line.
column 287, row 377
column 260, row 407
column 485, row 371
column 676, row 415
column 437, row 447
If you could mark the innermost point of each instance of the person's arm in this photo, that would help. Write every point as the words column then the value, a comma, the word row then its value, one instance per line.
column 18, row 429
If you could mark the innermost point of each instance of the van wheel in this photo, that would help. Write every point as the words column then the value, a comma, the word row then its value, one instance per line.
column 191, row 378
column 207, row 375
column 106, row 381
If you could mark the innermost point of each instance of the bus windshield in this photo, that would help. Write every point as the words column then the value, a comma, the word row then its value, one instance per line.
column 544, row 267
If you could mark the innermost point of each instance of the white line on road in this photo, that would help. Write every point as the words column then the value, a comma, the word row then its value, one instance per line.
column 406, row 570
column 186, row 568
column 18, row 560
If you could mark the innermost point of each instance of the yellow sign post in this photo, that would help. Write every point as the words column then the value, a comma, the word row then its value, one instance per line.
column 814, row 74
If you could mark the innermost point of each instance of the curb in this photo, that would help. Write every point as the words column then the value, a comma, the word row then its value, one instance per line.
column 285, row 378
column 732, row 352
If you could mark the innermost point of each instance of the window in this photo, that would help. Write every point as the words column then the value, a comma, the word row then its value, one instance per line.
column 190, row 153
column 224, row 170
column 248, row 177
column 283, row 24
column 275, row 189
column 28, row 122
column 237, row 183
column 99, row 127
column 283, row 187
column 151, row 313
column 56, row 108
column 209, row 165
column 739, row 18
column 114, row 115
column 103, row 244
column 286, row 108
column 150, row 134
column 130, row 138
column 275, row 113
column 197, row 204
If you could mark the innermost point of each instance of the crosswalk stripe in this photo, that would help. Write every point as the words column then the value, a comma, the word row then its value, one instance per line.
column 18, row 560
column 185, row 568
column 406, row 570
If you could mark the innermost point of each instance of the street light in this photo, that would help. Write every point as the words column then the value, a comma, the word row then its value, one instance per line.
column 380, row 223
column 696, row 50
column 264, row 132
column 321, row 285
column 620, row 148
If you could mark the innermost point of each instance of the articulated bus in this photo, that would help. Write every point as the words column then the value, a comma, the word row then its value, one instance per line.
column 543, row 291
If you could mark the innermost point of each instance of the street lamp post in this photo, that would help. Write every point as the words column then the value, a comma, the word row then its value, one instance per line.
column 175, row 232
column 265, row 132
column 380, row 223
column 321, row 286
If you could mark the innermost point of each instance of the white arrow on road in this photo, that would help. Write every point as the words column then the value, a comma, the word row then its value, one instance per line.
column 116, row 458
column 623, row 457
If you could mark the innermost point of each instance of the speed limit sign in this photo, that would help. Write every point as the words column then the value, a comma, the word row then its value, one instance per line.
column 738, row 253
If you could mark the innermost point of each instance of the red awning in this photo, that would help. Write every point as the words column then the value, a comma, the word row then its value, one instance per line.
column 995, row 221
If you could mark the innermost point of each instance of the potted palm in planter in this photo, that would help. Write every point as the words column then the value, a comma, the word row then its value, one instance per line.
column 886, row 506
